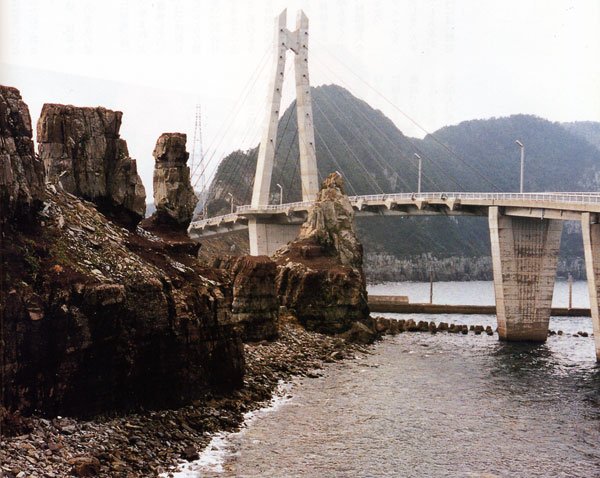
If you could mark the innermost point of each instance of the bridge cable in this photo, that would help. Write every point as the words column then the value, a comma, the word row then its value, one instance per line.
column 376, row 156
column 368, row 175
column 226, row 126
column 434, row 137
column 393, row 144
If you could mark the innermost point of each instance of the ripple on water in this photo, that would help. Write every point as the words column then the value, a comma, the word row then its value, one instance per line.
column 440, row 405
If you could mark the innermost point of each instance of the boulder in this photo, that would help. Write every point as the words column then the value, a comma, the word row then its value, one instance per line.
column 21, row 172
column 174, row 195
column 82, row 151
column 359, row 333
column 326, row 287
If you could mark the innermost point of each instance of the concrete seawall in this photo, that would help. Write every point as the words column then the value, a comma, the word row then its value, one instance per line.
column 382, row 303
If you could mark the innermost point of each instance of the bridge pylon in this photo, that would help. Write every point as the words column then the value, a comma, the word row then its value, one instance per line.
column 265, row 238
column 296, row 41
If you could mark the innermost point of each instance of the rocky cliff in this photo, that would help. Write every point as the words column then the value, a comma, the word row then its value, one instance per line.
column 174, row 195
column 320, row 274
column 82, row 150
column 94, row 317
column 21, row 172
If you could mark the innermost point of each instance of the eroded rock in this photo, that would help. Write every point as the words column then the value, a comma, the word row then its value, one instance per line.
column 21, row 172
column 320, row 275
column 174, row 195
column 82, row 150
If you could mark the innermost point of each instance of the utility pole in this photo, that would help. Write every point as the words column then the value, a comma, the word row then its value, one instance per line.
column 197, row 162
column 431, row 286
column 570, row 291
column 522, row 146
column 419, row 178
column 231, row 201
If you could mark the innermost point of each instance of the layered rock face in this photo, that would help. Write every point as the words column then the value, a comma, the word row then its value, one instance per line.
column 96, row 319
column 255, row 305
column 174, row 195
column 81, row 149
column 21, row 172
column 320, row 275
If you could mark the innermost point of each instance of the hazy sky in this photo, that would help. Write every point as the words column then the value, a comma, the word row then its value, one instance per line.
column 439, row 61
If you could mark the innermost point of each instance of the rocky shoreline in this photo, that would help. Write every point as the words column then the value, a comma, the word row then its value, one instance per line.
column 149, row 443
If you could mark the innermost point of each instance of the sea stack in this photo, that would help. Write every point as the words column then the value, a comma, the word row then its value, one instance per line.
column 174, row 195
column 320, row 274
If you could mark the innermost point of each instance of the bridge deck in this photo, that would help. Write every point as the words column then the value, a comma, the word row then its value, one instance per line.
column 551, row 205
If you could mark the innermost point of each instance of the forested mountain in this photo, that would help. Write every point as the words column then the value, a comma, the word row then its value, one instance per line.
column 588, row 130
column 375, row 157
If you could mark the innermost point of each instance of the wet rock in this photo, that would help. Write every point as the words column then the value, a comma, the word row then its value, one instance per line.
column 489, row 330
column 21, row 172
column 174, row 195
column 582, row 334
column 190, row 453
column 560, row 332
column 82, row 151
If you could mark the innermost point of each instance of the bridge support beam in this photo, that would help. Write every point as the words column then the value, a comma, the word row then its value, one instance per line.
column 524, row 259
column 266, row 238
column 590, row 229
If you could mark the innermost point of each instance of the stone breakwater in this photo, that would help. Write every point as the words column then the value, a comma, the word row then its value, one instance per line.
column 149, row 443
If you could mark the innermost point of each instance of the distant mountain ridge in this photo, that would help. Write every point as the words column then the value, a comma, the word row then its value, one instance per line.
column 374, row 156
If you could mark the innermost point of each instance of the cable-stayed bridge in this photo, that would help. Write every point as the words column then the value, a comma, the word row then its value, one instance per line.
column 525, row 228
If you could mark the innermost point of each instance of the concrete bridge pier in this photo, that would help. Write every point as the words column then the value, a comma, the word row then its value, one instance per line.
column 266, row 238
column 590, row 230
column 524, row 258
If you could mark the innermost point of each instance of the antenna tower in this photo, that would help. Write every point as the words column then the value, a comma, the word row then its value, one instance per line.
column 197, row 163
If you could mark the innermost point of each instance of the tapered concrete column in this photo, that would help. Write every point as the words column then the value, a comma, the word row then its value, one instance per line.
column 524, row 259
column 266, row 151
column 306, row 134
column 590, row 230
column 266, row 238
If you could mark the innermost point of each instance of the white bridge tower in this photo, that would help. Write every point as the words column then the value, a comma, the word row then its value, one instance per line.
column 264, row 237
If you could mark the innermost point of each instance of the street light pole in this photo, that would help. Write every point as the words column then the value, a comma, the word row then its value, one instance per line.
column 420, row 168
column 280, row 193
column 231, row 201
column 522, row 146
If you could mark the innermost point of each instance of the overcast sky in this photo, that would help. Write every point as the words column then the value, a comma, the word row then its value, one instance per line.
column 439, row 61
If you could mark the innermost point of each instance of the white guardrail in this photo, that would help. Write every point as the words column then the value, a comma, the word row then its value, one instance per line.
column 565, row 197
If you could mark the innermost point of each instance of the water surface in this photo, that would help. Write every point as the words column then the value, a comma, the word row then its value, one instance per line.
column 434, row 406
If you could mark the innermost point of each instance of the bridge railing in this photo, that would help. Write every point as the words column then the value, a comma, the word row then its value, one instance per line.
column 274, row 207
column 567, row 197
column 580, row 197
